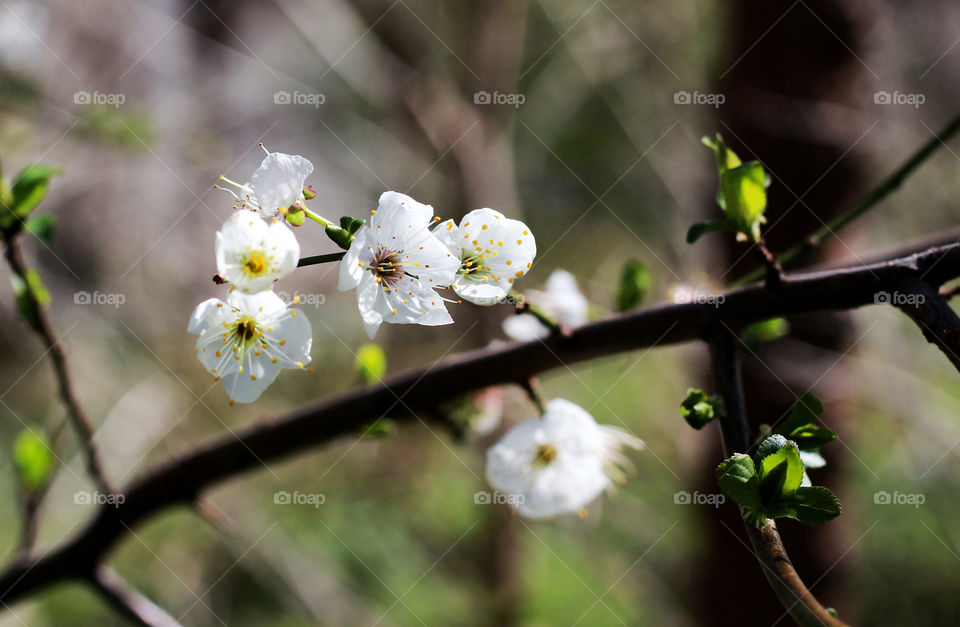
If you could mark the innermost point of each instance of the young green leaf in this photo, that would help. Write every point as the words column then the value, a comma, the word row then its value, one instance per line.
column 351, row 225
column 726, row 158
column 698, row 409
column 29, row 294
column 702, row 228
column 780, row 470
column 767, row 331
column 811, row 505
column 634, row 284
column 737, row 477
column 371, row 363
column 341, row 237
column 30, row 187
column 43, row 226
column 33, row 459
column 745, row 192
column 804, row 414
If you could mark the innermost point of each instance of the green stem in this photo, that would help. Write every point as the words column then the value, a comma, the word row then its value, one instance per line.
column 316, row 259
column 317, row 218
column 868, row 202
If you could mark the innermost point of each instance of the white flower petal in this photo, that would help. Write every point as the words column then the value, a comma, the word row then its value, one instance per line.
column 351, row 267
column 399, row 212
column 524, row 328
column 278, row 182
column 251, row 254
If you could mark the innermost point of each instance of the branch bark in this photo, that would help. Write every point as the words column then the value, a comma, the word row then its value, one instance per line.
column 799, row 602
column 181, row 479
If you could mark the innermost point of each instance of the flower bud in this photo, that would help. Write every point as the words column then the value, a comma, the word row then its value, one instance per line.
column 308, row 192
column 295, row 215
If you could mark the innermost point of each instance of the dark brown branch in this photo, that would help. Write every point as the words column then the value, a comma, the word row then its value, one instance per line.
column 932, row 313
column 182, row 478
column 799, row 602
column 81, row 421
column 128, row 602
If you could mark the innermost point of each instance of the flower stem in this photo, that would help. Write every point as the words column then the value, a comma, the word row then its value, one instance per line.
column 317, row 218
column 317, row 259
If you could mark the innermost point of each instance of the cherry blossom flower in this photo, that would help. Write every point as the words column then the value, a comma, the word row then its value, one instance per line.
column 560, row 463
column 494, row 251
column 276, row 185
column 562, row 301
column 396, row 264
column 252, row 254
column 245, row 341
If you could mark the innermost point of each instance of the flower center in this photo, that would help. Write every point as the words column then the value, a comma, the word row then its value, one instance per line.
column 257, row 263
column 545, row 455
column 244, row 333
column 386, row 266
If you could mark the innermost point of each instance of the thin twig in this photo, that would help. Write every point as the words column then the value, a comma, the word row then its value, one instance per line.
column 179, row 480
column 129, row 602
column 800, row 603
column 79, row 417
column 868, row 202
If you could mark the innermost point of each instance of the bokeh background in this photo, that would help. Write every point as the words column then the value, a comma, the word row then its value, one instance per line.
column 603, row 161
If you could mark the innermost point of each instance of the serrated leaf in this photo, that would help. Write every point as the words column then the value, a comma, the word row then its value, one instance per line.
column 811, row 505
column 769, row 446
column 371, row 363
column 812, row 438
column 33, row 460
column 635, row 282
column 43, row 226
column 702, row 228
column 781, row 472
column 737, row 477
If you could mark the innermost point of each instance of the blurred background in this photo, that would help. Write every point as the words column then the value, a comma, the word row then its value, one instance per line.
column 584, row 119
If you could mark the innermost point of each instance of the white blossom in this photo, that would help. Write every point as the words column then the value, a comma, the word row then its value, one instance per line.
column 245, row 341
column 562, row 301
column 252, row 254
column 494, row 251
column 396, row 264
column 559, row 463
column 275, row 186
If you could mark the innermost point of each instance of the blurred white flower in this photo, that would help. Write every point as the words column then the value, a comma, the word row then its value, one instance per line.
column 252, row 254
column 562, row 301
column 276, row 185
column 396, row 263
column 493, row 250
column 558, row 464
column 247, row 340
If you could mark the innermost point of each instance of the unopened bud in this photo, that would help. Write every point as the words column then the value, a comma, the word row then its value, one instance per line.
column 295, row 215
column 308, row 192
